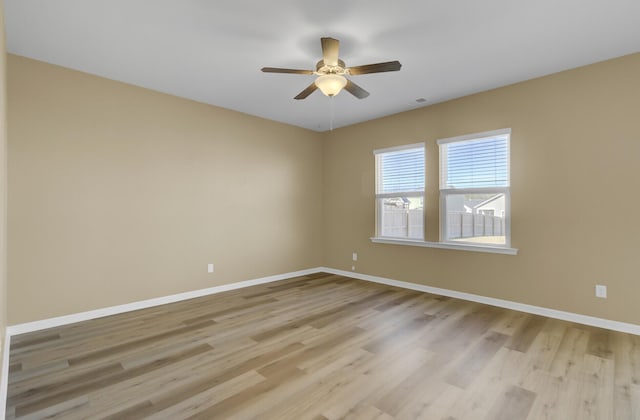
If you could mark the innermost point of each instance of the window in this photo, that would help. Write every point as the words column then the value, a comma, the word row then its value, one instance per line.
column 400, row 192
column 474, row 189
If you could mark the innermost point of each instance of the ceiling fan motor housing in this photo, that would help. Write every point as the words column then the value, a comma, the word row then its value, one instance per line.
column 322, row 69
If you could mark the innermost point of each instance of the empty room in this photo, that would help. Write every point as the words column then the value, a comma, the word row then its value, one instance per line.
column 320, row 210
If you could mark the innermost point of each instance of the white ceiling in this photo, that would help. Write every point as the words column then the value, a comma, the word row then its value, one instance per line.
column 212, row 50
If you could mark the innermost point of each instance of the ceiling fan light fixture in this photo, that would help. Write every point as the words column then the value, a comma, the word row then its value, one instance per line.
column 331, row 71
column 331, row 84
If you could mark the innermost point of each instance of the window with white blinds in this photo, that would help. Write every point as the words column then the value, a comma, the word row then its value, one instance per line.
column 474, row 188
column 400, row 180
column 481, row 163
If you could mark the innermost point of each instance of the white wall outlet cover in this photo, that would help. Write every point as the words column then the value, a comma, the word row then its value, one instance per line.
column 355, row 256
column 209, row 268
column 601, row 291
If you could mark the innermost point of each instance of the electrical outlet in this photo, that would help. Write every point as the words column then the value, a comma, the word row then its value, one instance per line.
column 353, row 268
column 209, row 268
column 354, row 256
column 601, row 291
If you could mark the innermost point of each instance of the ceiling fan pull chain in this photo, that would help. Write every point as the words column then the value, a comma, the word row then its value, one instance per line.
column 332, row 113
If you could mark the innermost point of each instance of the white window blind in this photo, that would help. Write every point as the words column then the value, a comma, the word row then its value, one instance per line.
column 400, row 171
column 475, row 163
column 474, row 189
column 400, row 192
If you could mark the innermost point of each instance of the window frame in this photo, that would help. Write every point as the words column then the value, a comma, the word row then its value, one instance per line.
column 380, row 196
column 445, row 192
column 428, row 189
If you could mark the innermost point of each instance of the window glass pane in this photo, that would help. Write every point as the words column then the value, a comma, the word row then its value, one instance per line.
column 476, row 218
column 475, row 164
column 401, row 217
column 400, row 171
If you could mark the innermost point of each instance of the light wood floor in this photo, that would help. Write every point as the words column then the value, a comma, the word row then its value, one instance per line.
column 325, row 347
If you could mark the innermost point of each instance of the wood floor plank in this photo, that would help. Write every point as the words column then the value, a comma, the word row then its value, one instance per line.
column 469, row 367
column 108, row 351
column 298, row 399
column 67, row 381
column 598, row 344
column 524, row 336
column 626, row 356
column 180, row 394
column 40, row 339
column 368, row 412
column 227, row 407
column 78, row 387
column 330, row 388
column 467, row 328
column 132, row 358
column 597, row 392
column 433, row 401
column 214, row 314
column 324, row 346
column 54, row 410
column 400, row 336
column 514, row 404
column 206, row 399
column 550, row 398
column 370, row 385
column 569, row 358
column 398, row 398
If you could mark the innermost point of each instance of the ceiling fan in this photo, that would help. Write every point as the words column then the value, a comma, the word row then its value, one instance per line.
column 331, row 72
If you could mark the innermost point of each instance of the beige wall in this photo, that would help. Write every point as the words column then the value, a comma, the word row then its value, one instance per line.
column 3, row 184
column 118, row 194
column 575, row 156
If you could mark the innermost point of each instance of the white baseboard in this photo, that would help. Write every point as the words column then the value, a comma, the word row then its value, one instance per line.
column 4, row 378
column 134, row 306
column 114, row 310
column 522, row 307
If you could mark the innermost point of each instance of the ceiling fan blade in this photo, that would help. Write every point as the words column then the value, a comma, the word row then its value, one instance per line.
column 330, row 49
column 279, row 70
column 375, row 68
column 355, row 90
column 308, row 91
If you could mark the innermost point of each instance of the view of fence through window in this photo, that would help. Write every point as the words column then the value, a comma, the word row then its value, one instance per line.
column 400, row 192
column 402, row 217
column 478, row 218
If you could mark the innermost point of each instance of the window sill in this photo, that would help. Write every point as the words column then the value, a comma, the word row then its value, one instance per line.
column 447, row 245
